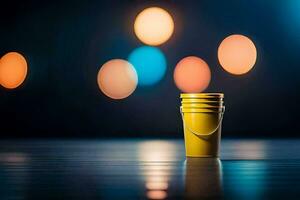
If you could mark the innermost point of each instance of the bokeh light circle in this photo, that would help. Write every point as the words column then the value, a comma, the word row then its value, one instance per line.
column 13, row 70
column 154, row 26
column 237, row 54
column 192, row 75
column 117, row 79
column 150, row 64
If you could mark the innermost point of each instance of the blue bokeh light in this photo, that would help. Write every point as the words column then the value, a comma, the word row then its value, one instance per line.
column 150, row 64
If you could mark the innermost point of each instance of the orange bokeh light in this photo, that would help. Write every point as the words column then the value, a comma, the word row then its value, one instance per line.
column 117, row 79
column 192, row 75
column 237, row 54
column 13, row 70
column 154, row 26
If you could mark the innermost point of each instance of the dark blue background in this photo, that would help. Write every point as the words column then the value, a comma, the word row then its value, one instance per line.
column 66, row 42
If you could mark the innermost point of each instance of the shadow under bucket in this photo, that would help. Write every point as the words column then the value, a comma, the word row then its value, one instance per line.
column 202, row 127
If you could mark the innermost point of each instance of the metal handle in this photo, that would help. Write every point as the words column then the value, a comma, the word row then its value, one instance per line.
column 203, row 134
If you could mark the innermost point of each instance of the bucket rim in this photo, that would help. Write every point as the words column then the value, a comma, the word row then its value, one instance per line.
column 201, row 95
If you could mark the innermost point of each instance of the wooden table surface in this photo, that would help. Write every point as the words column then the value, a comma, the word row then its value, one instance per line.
column 147, row 169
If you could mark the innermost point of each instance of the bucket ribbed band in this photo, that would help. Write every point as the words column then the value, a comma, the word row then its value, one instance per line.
column 212, row 101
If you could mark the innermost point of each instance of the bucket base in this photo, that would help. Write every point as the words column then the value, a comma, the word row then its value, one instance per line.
column 202, row 156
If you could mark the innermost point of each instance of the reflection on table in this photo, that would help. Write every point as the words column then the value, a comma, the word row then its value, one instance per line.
column 203, row 178
column 147, row 169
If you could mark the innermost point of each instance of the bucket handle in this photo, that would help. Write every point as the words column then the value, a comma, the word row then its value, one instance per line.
column 203, row 134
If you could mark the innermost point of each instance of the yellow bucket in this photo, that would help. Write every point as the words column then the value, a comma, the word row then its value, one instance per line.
column 202, row 126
